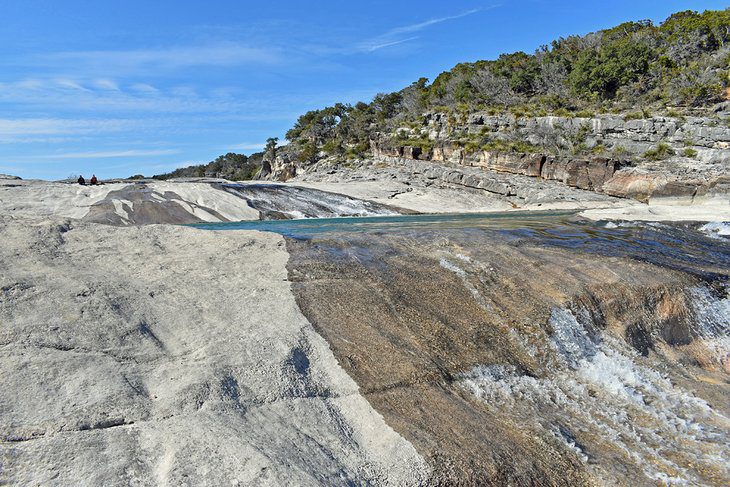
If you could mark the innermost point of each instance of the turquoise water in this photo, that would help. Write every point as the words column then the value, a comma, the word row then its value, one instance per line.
column 398, row 223
column 678, row 246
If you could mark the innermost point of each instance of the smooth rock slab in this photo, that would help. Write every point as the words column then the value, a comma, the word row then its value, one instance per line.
column 164, row 355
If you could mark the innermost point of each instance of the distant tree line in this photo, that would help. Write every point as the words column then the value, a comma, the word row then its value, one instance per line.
column 231, row 166
column 683, row 62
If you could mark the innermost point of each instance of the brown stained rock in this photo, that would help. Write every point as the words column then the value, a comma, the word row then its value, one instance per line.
column 410, row 152
column 641, row 186
column 514, row 163
column 534, row 165
column 576, row 174
column 628, row 184
column 601, row 170
column 554, row 169
column 467, row 443
column 405, row 326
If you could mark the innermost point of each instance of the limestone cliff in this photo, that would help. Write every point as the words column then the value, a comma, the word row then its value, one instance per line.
column 606, row 154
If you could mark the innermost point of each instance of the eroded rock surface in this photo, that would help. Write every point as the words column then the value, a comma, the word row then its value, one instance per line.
column 525, row 359
column 163, row 355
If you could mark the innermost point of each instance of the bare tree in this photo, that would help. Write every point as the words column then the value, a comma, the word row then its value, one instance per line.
column 492, row 89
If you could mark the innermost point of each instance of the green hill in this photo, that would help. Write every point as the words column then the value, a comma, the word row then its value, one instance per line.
column 680, row 65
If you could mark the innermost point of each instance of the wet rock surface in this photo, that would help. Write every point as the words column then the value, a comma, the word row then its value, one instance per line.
column 279, row 202
column 531, row 358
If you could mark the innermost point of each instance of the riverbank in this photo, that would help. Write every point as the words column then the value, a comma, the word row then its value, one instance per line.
column 167, row 354
column 346, row 193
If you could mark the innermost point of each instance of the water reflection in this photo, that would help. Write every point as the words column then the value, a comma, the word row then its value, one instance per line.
column 677, row 246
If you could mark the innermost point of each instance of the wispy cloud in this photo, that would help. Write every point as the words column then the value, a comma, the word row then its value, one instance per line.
column 70, row 84
column 375, row 47
column 106, row 84
column 144, row 88
column 395, row 36
column 60, row 126
column 246, row 146
column 108, row 154
column 128, row 62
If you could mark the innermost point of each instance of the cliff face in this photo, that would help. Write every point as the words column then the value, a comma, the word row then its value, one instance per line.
column 709, row 137
column 693, row 158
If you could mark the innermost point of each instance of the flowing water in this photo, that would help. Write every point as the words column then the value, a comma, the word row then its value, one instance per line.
column 616, row 409
column 683, row 247
column 281, row 202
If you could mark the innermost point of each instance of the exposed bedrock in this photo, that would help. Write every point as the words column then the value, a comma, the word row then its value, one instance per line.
column 709, row 137
column 186, row 202
column 680, row 176
column 165, row 355
column 523, row 363
column 178, row 202
column 605, row 175
column 279, row 202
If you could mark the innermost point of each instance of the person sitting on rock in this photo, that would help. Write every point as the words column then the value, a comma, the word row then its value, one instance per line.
column 81, row 180
column 94, row 181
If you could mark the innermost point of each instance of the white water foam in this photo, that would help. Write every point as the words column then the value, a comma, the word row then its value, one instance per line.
column 712, row 323
column 463, row 275
column 601, row 393
column 716, row 229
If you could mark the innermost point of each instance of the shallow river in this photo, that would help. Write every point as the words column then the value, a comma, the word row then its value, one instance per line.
column 580, row 335
column 677, row 246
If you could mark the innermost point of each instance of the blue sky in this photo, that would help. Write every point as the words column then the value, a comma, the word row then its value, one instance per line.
column 119, row 88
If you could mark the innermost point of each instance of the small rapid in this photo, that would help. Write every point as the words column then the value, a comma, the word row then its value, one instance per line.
column 602, row 399
column 602, row 345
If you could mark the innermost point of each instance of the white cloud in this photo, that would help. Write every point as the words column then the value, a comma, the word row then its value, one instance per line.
column 247, row 146
column 145, row 61
column 108, row 154
column 104, row 95
column 60, row 126
column 144, row 88
column 395, row 36
column 106, row 84
column 70, row 84
column 375, row 47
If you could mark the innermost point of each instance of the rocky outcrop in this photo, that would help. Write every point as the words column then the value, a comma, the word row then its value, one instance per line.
column 698, row 151
column 516, row 188
column 284, row 166
column 165, row 355
column 178, row 202
column 710, row 137
column 280, row 202
column 615, row 177
column 588, row 174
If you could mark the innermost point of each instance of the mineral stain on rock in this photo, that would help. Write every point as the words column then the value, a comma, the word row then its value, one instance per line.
column 516, row 361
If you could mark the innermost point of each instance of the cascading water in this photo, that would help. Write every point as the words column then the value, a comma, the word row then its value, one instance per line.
column 711, row 322
column 596, row 351
column 603, row 400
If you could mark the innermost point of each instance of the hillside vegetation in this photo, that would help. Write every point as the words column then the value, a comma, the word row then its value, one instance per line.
column 683, row 64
